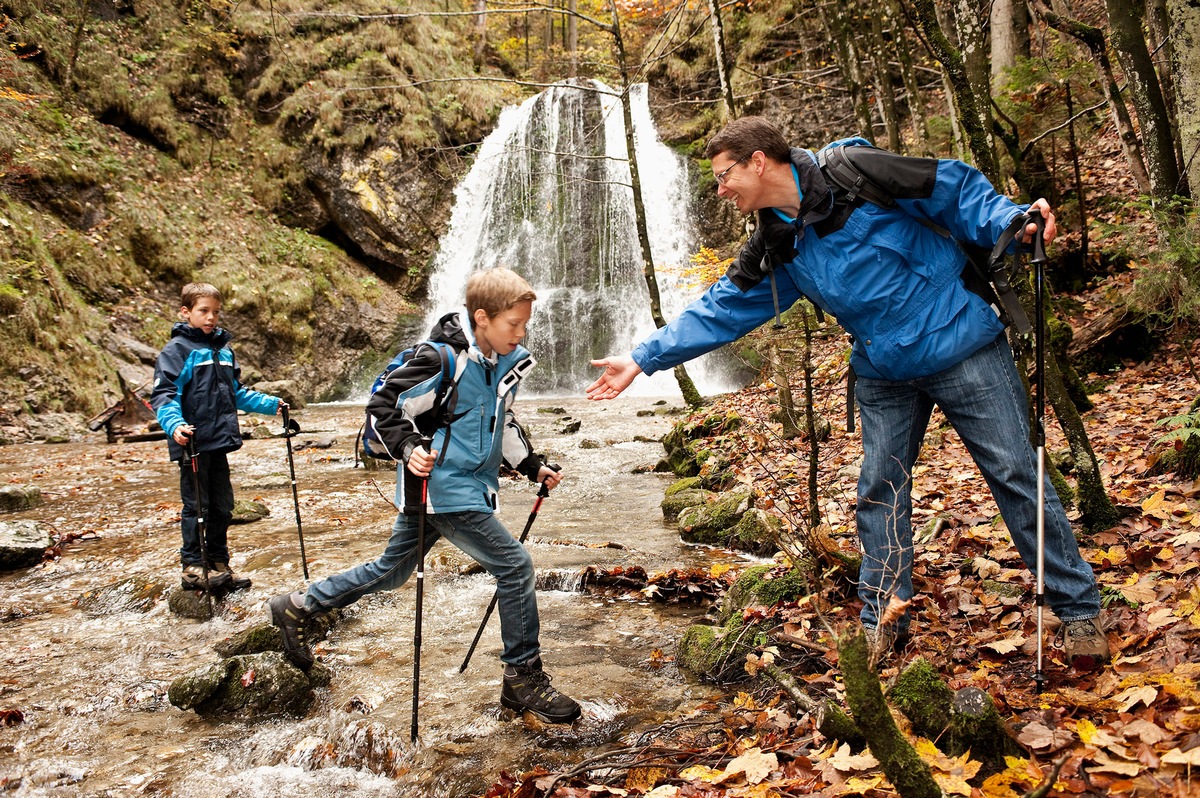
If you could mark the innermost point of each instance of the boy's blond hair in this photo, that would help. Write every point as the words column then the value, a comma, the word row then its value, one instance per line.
column 496, row 290
column 194, row 292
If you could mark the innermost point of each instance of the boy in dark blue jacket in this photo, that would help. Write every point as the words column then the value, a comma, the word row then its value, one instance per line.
column 196, row 396
column 489, row 363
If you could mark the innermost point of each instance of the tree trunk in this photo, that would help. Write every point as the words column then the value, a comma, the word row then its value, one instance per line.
column 965, row 99
column 885, row 90
column 1125, row 21
column 718, row 32
column 1010, row 39
column 686, row 386
column 912, row 88
column 787, row 406
column 972, row 45
column 1158, row 28
column 480, row 33
column 841, row 32
column 1094, row 40
column 904, row 768
column 810, row 424
column 573, row 36
column 1185, row 52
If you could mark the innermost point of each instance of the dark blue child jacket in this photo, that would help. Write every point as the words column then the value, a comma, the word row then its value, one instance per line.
column 196, row 382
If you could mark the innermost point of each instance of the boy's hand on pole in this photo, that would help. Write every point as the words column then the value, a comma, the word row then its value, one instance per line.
column 549, row 477
column 182, row 433
column 421, row 461
column 619, row 373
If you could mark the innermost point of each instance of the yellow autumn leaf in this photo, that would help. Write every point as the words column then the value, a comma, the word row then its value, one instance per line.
column 1136, row 695
column 1006, row 646
column 1154, row 501
column 952, row 784
column 1177, row 757
column 701, row 773
column 754, row 765
column 859, row 785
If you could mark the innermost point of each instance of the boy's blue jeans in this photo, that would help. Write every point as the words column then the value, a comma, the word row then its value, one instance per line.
column 480, row 535
column 216, row 497
column 984, row 400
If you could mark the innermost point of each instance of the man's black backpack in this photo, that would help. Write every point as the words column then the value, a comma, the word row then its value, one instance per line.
column 984, row 273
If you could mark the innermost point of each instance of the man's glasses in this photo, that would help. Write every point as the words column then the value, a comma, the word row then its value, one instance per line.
column 724, row 172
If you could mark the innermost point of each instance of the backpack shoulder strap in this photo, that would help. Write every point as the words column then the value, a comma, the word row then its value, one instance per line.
column 840, row 171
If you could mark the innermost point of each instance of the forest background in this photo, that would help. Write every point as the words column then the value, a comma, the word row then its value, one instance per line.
column 303, row 156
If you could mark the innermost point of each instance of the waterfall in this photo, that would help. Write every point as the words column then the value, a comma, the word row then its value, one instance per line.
column 549, row 197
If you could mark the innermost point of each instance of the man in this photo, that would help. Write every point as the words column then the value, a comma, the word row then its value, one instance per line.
column 920, row 338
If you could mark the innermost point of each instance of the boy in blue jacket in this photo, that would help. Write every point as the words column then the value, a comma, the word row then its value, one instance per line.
column 462, row 465
column 921, row 338
column 196, row 396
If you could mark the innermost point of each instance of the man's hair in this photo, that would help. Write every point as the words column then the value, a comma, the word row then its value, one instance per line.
column 194, row 292
column 495, row 291
column 742, row 137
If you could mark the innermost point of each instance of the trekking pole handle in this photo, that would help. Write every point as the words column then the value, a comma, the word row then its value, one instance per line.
column 543, row 488
column 1034, row 216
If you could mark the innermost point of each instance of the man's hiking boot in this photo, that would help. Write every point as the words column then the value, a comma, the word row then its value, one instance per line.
column 235, row 582
column 1084, row 643
column 527, row 688
column 291, row 621
column 194, row 579
column 881, row 645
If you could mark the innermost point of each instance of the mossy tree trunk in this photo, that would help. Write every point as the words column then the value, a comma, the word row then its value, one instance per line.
column 686, row 386
column 900, row 762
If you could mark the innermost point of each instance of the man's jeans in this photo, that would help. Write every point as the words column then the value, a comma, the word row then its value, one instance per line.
column 984, row 400
column 216, row 498
column 480, row 535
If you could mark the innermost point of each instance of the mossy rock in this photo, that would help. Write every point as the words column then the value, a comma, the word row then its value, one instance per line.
column 1002, row 589
column 712, row 523
column 266, row 636
column 676, row 503
column 924, row 698
column 246, row 511
column 134, row 594
column 14, row 498
column 765, row 585
column 757, row 532
column 717, row 653
column 249, row 687
column 687, row 483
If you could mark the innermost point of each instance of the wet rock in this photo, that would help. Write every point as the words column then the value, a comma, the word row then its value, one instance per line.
column 246, row 511
column 1002, row 589
column 569, row 426
column 19, row 497
column 261, row 432
column 22, row 544
column 249, row 687
column 675, row 503
column 265, row 637
column 557, row 411
column 757, row 532
column 323, row 442
column 192, row 604
column 287, row 390
column 713, row 522
column 130, row 350
column 268, row 482
column 588, row 443
column 717, row 653
column 136, row 594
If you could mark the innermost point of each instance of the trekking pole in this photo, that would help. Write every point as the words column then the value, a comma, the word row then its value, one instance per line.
column 542, row 493
column 201, row 526
column 426, row 443
column 290, row 428
column 1039, row 434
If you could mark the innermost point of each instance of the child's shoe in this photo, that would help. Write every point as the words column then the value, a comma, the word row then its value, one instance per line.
column 235, row 582
column 194, row 578
column 291, row 621
column 527, row 688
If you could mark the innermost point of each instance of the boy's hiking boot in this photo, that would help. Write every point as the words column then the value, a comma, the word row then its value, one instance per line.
column 882, row 644
column 1084, row 643
column 291, row 621
column 193, row 579
column 235, row 582
column 527, row 688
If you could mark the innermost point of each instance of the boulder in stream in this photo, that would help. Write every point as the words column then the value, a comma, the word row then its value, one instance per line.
column 246, row 511
column 135, row 593
column 22, row 544
column 265, row 636
column 249, row 687
column 14, row 498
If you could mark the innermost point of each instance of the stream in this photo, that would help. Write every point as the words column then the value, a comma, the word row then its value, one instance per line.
column 92, row 687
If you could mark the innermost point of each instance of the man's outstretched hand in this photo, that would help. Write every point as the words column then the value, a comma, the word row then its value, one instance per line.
column 619, row 372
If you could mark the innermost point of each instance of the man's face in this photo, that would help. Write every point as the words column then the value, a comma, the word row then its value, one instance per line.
column 737, row 181
column 203, row 314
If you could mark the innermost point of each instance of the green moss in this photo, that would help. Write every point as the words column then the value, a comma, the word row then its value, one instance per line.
column 764, row 585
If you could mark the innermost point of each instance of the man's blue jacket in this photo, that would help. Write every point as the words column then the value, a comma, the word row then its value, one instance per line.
column 892, row 282
column 196, row 382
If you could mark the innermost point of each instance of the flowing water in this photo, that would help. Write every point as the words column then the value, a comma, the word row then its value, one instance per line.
column 92, row 688
column 549, row 195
